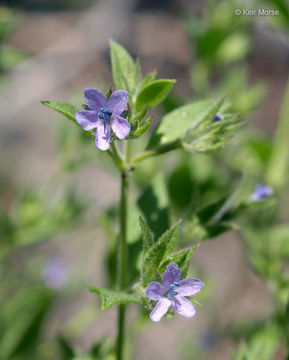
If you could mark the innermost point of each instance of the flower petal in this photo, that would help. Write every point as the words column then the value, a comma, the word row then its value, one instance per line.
column 102, row 139
column 118, row 101
column 188, row 287
column 160, row 309
column 120, row 127
column 88, row 120
column 262, row 191
column 95, row 99
column 183, row 306
column 172, row 274
column 154, row 290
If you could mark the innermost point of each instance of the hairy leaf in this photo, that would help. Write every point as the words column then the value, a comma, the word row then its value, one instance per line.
column 147, row 234
column 111, row 298
column 181, row 258
column 126, row 73
column 161, row 249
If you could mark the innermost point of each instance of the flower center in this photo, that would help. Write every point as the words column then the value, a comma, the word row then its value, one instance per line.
column 172, row 292
column 105, row 114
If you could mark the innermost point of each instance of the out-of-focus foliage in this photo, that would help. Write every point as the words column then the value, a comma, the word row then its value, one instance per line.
column 35, row 218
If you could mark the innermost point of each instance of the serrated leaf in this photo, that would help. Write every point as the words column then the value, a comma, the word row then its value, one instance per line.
column 111, row 298
column 126, row 73
column 155, row 255
column 147, row 234
column 153, row 93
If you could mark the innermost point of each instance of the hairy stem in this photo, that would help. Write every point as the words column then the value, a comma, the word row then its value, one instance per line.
column 122, row 262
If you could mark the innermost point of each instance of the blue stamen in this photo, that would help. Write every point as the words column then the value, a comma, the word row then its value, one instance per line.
column 172, row 291
column 105, row 114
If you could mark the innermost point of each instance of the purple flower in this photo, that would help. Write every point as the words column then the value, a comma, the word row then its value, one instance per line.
column 104, row 116
column 55, row 273
column 262, row 191
column 173, row 293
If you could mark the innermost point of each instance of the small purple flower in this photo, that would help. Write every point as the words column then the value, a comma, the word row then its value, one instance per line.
column 104, row 116
column 55, row 273
column 262, row 191
column 173, row 293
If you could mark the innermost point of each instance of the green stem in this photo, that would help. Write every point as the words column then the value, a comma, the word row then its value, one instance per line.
column 114, row 153
column 122, row 264
column 157, row 151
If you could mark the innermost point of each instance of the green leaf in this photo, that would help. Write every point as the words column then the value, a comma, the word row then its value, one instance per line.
column 181, row 258
column 140, row 115
column 162, row 248
column 194, row 125
column 63, row 108
column 126, row 73
column 150, row 77
column 174, row 125
column 111, row 298
column 207, row 135
column 147, row 234
column 153, row 93
column 140, row 128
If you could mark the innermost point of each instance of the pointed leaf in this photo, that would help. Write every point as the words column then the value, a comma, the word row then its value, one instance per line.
column 153, row 93
column 174, row 125
column 150, row 77
column 162, row 248
column 63, row 108
column 147, row 234
column 126, row 73
column 181, row 258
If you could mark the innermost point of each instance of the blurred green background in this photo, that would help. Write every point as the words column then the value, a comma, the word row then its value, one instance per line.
column 58, row 193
